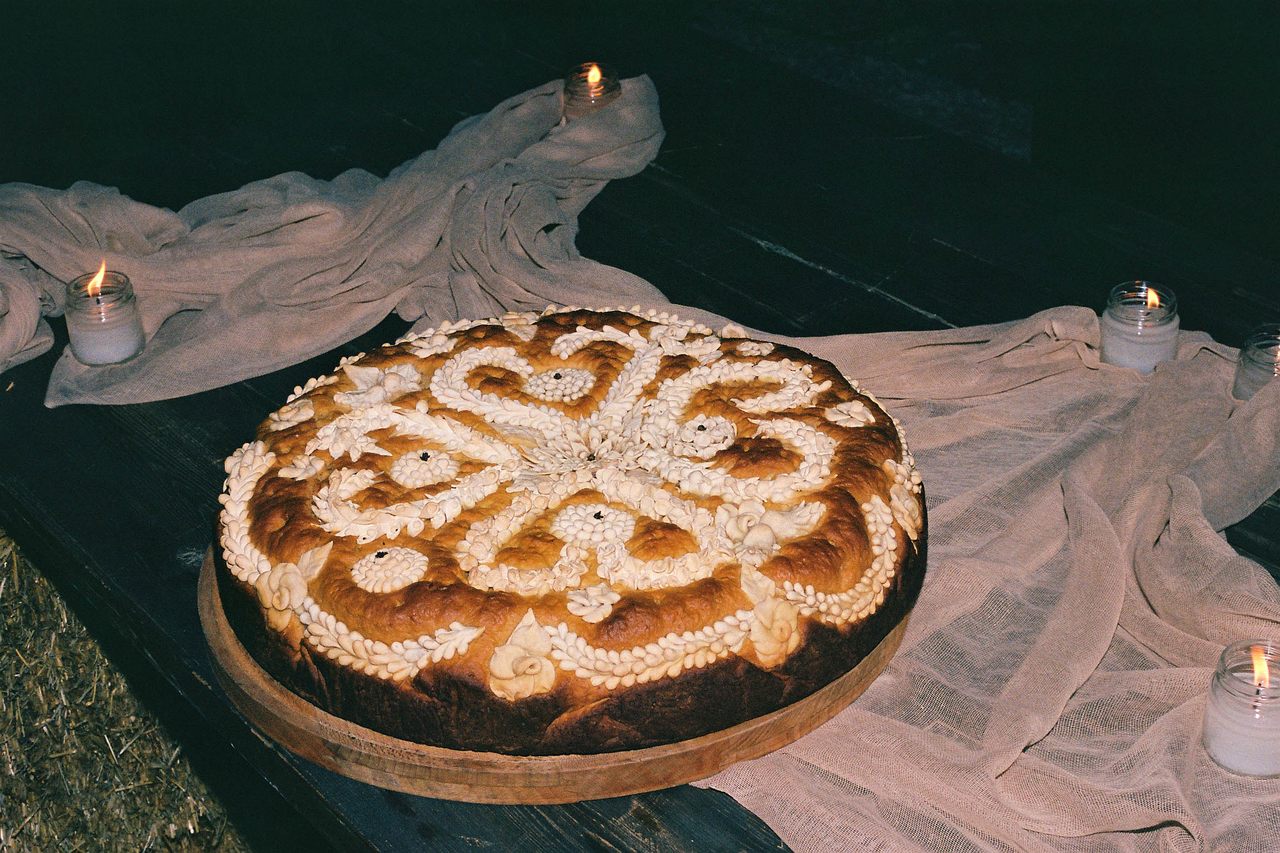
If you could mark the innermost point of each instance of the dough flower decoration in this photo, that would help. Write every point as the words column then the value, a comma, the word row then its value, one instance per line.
column 756, row 531
column 775, row 631
column 775, row 622
column 375, row 385
column 283, row 589
column 522, row 666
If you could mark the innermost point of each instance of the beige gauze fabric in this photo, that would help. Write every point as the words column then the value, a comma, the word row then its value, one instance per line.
column 1050, row 688
column 283, row 269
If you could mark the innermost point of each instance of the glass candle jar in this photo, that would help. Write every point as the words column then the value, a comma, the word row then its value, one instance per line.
column 1242, row 716
column 1259, row 361
column 1140, row 326
column 588, row 87
column 102, row 318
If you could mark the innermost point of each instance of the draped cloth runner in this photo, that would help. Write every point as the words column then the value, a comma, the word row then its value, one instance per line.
column 284, row 269
column 1049, row 691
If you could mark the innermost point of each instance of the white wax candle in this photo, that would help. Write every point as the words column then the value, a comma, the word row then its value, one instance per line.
column 103, row 322
column 1241, row 718
column 1139, row 327
column 1259, row 361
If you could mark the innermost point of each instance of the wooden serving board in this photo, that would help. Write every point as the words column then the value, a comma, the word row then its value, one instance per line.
column 486, row 777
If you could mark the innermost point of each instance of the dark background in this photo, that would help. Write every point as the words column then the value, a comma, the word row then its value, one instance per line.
column 828, row 168
column 1168, row 107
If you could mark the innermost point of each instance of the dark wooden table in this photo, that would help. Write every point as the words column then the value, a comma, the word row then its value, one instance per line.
column 790, row 201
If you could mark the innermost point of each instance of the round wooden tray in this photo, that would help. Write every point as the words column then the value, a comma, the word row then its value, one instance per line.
column 487, row 777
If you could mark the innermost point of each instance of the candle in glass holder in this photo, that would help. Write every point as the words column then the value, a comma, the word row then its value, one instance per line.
column 102, row 318
column 1140, row 326
column 1242, row 715
column 1259, row 361
column 588, row 87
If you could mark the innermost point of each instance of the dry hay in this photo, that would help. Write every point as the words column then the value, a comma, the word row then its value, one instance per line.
column 82, row 765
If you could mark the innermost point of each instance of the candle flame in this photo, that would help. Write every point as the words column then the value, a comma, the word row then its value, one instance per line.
column 1261, row 673
column 594, row 74
column 1153, row 299
column 95, row 283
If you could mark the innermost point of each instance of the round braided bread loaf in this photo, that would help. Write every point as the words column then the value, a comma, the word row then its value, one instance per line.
column 573, row 532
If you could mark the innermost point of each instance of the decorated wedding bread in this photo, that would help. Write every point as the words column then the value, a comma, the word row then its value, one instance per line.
column 574, row 532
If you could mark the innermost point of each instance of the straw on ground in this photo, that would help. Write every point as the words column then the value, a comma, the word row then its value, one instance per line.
column 83, row 766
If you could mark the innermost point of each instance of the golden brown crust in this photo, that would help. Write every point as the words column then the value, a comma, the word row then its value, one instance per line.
column 822, row 563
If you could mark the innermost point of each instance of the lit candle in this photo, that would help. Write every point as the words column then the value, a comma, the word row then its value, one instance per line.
column 1259, row 361
column 589, row 87
column 102, row 318
column 1140, row 326
column 1242, row 716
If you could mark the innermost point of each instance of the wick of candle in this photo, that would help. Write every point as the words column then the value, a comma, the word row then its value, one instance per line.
column 1261, row 674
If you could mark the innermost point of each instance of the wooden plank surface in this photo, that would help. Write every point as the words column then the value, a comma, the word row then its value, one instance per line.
column 783, row 198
